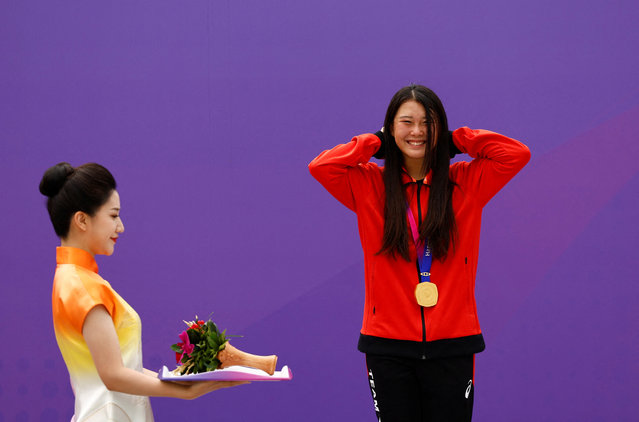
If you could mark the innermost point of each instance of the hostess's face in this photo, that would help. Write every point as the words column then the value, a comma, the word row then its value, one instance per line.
column 104, row 227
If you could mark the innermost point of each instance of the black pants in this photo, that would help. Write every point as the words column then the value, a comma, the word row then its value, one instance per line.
column 418, row 390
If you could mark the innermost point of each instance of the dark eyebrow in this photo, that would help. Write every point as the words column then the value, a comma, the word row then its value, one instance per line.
column 411, row 117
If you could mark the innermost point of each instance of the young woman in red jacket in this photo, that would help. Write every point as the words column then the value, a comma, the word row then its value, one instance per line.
column 419, row 222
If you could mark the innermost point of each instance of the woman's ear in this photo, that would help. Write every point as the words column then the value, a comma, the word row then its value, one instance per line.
column 80, row 221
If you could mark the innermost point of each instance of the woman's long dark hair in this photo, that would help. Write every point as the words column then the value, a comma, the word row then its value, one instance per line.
column 439, row 225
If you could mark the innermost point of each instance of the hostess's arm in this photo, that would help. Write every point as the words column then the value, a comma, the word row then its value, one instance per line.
column 101, row 338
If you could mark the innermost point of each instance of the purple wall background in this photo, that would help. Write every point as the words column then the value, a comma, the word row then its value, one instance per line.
column 208, row 113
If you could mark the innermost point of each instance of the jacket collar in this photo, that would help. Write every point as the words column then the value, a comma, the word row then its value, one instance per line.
column 406, row 178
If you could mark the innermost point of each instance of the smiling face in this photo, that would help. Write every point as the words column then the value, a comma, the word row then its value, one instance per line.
column 104, row 227
column 410, row 130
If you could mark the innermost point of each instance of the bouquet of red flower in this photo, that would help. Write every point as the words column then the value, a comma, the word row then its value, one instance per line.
column 199, row 347
column 204, row 348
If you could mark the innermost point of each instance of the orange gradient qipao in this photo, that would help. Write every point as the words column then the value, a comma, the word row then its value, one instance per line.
column 77, row 288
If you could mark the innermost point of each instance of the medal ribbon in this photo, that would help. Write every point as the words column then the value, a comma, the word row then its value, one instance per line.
column 425, row 258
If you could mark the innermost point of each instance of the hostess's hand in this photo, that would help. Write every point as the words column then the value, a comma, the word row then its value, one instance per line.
column 199, row 388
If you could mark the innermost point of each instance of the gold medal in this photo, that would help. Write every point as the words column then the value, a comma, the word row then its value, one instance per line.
column 426, row 294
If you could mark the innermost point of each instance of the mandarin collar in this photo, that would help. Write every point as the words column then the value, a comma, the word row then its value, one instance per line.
column 75, row 256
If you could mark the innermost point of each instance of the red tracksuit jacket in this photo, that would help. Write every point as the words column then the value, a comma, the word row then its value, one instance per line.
column 394, row 324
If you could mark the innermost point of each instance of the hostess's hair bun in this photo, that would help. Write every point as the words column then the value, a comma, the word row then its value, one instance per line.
column 71, row 189
column 54, row 178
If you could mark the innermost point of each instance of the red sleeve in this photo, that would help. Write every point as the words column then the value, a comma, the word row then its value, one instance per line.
column 496, row 160
column 340, row 168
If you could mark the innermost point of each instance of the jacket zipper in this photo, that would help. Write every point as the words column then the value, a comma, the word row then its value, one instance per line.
column 420, row 183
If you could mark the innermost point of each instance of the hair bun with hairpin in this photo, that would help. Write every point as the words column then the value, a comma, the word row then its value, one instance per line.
column 54, row 178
